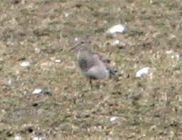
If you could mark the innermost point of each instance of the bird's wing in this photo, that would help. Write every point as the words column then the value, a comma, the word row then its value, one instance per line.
column 106, row 62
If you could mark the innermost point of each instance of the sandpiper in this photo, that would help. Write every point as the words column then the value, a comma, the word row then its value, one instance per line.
column 92, row 64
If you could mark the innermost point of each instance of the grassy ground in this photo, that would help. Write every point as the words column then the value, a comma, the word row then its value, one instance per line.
column 44, row 31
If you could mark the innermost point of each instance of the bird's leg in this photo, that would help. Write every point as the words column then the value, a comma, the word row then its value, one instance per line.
column 90, row 82
column 100, row 84
column 97, row 84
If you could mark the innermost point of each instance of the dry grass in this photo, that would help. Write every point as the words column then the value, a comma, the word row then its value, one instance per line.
column 147, row 108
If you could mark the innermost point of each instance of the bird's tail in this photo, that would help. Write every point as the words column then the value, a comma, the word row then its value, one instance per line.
column 112, row 72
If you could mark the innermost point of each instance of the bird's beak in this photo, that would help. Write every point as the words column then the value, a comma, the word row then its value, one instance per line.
column 74, row 47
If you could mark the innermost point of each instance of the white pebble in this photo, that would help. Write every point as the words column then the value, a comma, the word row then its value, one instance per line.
column 37, row 91
column 36, row 138
column 9, row 82
column 143, row 72
column 118, row 44
column 175, row 56
column 76, row 39
column 57, row 60
column 37, row 50
column 17, row 137
column 116, row 29
column 113, row 119
column 3, row 111
column 25, row 64
column 115, row 42
column 169, row 51
column 66, row 14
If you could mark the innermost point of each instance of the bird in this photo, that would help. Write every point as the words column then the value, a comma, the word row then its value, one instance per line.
column 92, row 65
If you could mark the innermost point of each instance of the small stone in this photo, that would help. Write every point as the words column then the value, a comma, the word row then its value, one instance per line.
column 143, row 72
column 116, row 29
column 118, row 44
column 8, row 82
column 112, row 119
column 175, row 56
column 66, row 14
column 151, row 1
column 76, row 39
column 37, row 91
column 40, row 91
column 57, row 60
column 172, row 36
column 169, row 51
column 25, row 64
column 36, row 138
column 37, row 50
column 3, row 111
column 17, row 137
